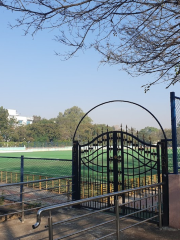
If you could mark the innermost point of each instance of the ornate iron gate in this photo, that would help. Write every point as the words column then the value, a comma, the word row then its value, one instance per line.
column 115, row 161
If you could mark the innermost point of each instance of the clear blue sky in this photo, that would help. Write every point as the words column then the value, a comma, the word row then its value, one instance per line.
column 36, row 82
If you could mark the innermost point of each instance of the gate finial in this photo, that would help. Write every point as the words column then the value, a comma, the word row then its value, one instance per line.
column 131, row 130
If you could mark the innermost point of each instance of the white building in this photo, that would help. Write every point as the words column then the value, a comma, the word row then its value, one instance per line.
column 21, row 119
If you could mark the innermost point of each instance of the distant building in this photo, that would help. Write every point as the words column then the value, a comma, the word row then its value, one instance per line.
column 20, row 119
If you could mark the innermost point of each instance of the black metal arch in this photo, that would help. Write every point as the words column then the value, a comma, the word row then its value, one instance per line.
column 124, row 102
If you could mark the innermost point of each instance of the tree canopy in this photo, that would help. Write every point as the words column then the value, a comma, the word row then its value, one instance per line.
column 141, row 36
column 61, row 128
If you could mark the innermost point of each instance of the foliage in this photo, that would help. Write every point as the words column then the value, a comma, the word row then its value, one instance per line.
column 6, row 125
column 142, row 36
column 41, row 131
column 60, row 130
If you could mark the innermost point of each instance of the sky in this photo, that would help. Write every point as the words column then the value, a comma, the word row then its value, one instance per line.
column 35, row 81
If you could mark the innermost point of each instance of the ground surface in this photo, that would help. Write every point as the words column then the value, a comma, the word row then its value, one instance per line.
column 15, row 230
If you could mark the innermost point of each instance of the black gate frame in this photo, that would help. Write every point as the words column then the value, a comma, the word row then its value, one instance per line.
column 76, row 169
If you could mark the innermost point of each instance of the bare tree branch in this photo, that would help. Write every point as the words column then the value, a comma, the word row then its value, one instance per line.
column 141, row 36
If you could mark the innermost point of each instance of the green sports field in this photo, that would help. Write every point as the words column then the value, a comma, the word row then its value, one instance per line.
column 43, row 167
column 46, row 154
column 42, row 163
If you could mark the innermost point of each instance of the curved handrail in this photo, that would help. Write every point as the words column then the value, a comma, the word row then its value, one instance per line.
column 68, row 204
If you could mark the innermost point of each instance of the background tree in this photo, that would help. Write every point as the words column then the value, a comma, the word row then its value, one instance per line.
column 4, row 123
column 36, row 119
column 150, row 134
column 69, row 120
column 142, row 36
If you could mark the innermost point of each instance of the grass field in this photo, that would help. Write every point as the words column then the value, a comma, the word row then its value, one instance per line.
column 46, row 154
column 46, row 168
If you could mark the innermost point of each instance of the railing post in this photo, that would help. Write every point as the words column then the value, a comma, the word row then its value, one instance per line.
column 22, row 176
column 50, row 226
column 117, row 218
column 22, row 203
column 68, row 191
column 75, row 172
column 165, row 187
column 174, row 133
column 159, row 205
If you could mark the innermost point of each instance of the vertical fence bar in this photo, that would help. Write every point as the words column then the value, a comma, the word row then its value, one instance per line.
column 33, row 180
column 115, row 162
column 59, row 182
column 174, row 133
column 50, row 226
column 164, row 157
column 117, row 218
column 22, row 176
column 40, row 183
column 75, row 172
column 159, row 205
column 68, row 191
column 22, row 203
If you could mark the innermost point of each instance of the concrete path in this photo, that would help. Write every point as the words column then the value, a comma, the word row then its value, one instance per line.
column 15, row 230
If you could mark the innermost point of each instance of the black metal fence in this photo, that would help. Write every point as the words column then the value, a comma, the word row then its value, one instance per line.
column 178, row 129
column 18, row 199
column 175, row 121
column 19, row 169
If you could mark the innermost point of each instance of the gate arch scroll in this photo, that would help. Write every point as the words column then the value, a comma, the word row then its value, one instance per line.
column 123, row 101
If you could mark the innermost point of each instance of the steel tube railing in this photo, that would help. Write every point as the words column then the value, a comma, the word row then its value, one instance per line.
column 35, row 181
column 159, row 200
column 117, row 217
column 78, row 217
column 72, row 203
column 23, row 193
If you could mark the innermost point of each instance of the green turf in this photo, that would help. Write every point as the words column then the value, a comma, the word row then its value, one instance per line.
column 46, row 168
column 52, row 168
column 46, row 154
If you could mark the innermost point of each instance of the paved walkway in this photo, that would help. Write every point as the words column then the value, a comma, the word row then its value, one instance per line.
column 15, row 230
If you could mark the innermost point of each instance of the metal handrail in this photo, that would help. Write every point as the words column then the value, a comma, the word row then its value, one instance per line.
column 57, row 206
column 35, row 181
column 22, row 193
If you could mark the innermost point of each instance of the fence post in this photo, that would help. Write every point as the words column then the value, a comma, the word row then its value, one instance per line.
column 50, row 226
column 174, row 133
column 159, row 205
column 68, row 190
column 164, row 157
column 117, row 218
column 75, row 172
column 22, row 176
column 22, row 203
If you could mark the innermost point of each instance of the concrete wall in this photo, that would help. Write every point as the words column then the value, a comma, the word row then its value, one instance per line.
column 174, row 201
column 24, row 149
column 12, row 149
